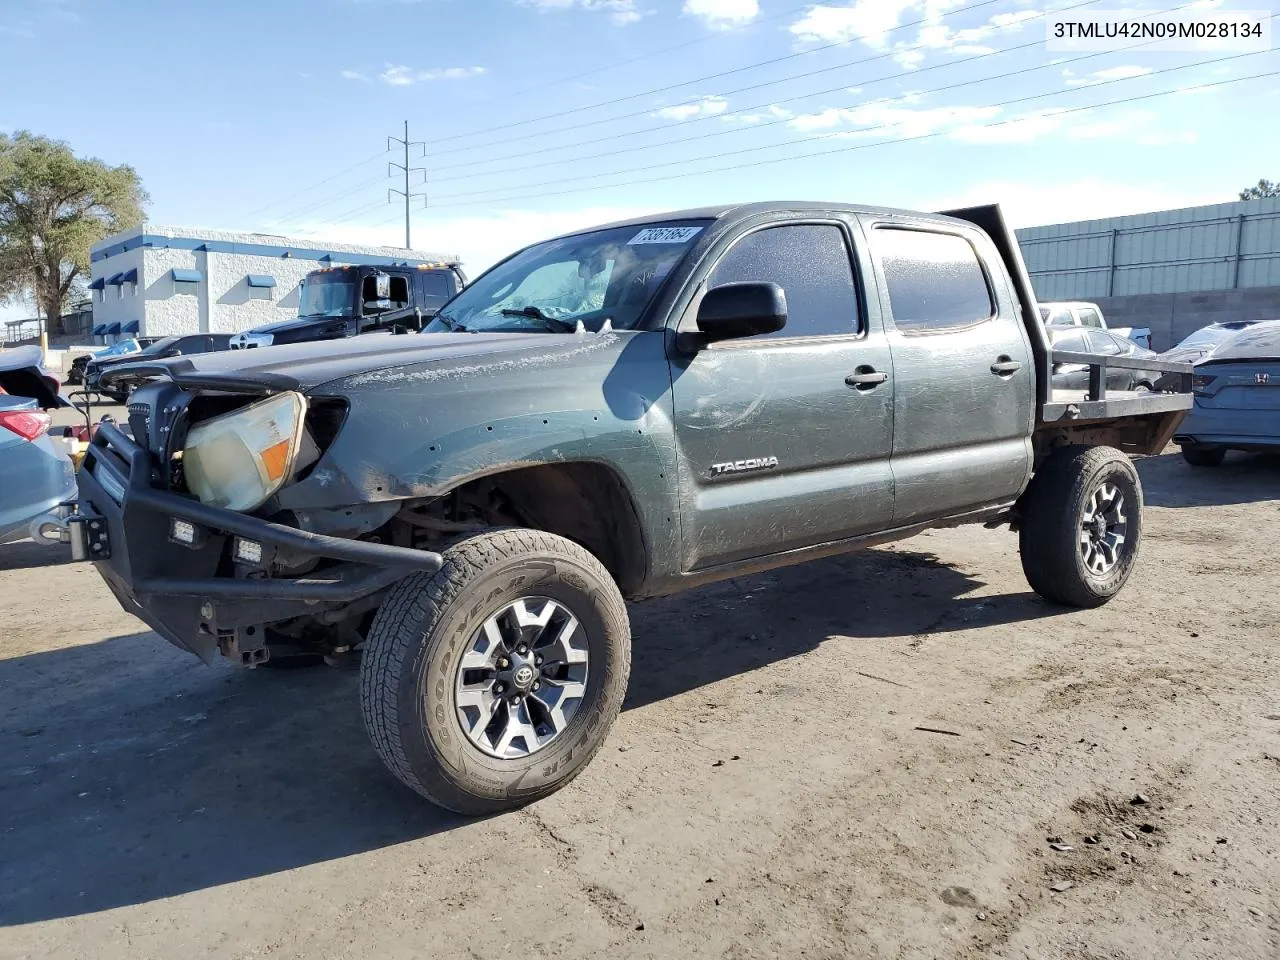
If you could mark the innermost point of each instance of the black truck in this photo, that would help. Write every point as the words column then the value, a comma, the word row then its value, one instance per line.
column 616, row 414
column 341, row 302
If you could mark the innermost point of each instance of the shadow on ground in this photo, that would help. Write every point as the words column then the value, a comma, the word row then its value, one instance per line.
column 1169, row 481
column 129, row 772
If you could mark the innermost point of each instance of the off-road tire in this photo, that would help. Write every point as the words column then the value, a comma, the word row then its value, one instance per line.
column 422, row 629
column 1052, row 510
column 1204, row 456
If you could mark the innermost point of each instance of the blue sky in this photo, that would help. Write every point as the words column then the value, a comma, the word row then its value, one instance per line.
column 547, row 115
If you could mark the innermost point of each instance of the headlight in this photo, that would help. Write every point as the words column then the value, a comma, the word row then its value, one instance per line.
column 240, row 459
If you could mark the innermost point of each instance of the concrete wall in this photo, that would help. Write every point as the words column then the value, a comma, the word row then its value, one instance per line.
column 1172, row 316
column 235, row 306
column 118, row 304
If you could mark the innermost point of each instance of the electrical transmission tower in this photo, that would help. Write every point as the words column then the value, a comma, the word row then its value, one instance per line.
column 408, row 194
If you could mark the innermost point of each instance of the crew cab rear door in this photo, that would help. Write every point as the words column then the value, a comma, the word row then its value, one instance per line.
column 784, row 439
column 964, row 402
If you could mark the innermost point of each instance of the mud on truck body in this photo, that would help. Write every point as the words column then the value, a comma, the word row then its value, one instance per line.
column 615, row 414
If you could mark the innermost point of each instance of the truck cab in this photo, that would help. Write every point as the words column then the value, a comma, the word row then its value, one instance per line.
column 340, row 302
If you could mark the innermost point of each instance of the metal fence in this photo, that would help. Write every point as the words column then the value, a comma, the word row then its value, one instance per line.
column 1225, row 246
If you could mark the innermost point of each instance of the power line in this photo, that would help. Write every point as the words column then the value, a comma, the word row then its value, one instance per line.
column 787, row 119
column 862, row 146
column 308, row 189
column 637, row 59
column 827, row 136
column 727, row 73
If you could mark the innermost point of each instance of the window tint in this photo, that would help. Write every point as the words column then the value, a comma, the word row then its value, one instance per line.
column 1058, row 316
column 811, row 264
column 935, row 280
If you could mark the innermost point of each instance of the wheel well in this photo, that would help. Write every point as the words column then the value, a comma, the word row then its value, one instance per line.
column 587, row 503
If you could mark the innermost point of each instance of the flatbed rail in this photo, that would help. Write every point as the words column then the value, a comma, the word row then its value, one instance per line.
column 1098, row 403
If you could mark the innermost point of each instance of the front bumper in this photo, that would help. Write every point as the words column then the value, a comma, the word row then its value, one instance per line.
column 196, row 595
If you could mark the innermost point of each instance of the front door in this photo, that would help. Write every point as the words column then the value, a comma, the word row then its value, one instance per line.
column 964, row 404
column 784, row 438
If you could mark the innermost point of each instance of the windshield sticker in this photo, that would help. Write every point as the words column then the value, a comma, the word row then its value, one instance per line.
column 664, row 235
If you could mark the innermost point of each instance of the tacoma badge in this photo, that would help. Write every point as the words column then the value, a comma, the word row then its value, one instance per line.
column 741, row 466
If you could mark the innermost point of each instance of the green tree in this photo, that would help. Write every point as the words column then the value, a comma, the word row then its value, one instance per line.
column 1264, row 188
column 53, row 207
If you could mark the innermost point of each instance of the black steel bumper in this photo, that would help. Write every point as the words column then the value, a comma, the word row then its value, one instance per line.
column 197, row 595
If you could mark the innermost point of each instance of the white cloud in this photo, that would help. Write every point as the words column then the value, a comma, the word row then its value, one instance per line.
column 480, row 241
column 1110, row 73
column 622, row 12
column 722, row 14
column 866, row 20
column 703, row 107
column 872, row 22
column 1168, row 138
column 889, row 121
column 398, row 75
column 354, row 75
column 771, row 112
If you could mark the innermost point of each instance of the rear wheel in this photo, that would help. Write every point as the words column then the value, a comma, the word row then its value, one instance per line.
column 493, row 682
column 1081, row 525
column 1204, row 456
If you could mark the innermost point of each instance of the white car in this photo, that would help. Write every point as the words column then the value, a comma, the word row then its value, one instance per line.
column 1077, row 313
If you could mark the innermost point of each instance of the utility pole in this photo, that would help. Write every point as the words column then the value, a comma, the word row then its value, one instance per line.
column 406, row 192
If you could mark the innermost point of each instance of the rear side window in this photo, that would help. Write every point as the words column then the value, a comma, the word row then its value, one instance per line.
column 436, row 289
column 811, row 264
column 1103, row 343
column 935, row 280
column 1090, row 318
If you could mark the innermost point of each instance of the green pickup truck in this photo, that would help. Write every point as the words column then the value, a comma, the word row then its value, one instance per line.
column 616, row 414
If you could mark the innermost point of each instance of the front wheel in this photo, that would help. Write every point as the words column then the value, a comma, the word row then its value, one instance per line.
column 494, row 681
column 1081, row 525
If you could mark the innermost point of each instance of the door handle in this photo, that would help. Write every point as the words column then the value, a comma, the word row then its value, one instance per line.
column 1004, row 367
column 866, row 378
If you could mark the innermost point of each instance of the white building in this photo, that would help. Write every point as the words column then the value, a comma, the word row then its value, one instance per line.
column 157, row 281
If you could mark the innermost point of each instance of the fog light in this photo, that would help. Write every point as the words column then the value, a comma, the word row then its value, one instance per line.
column 248, row 551
column 185, row 532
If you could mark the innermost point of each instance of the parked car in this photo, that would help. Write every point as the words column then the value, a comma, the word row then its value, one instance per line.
column 75, row 375
column 626, row 411
column 1073, row 313
column 1075, row 376
column 1200, row 344
column 35, row 475
column 23, row 374
column 341, row 302
column 160, row 350
column 1237, row 398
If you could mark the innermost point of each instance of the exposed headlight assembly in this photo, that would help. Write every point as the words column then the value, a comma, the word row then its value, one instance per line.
column 238, row 460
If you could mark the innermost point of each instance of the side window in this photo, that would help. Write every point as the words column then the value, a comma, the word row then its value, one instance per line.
column 436, row 289
column 935, row 280
column 1090, row 318
column 1100, row 342
column 399, row 293
column 811, row 263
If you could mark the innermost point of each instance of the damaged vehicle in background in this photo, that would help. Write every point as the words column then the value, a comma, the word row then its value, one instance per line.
column 75, row 375
column 166, row 347
column 23, row 374
column 616, row 414
column 1237, row 398
column 1075, row 376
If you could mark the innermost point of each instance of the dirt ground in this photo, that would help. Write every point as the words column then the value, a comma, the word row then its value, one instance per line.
column 767, row 792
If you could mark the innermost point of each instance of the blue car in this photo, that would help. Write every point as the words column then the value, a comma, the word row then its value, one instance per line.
column 1237, row 398
column 35, row 475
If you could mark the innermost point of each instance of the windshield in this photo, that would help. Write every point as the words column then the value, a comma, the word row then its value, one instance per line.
column 590, row 278
column 1206, row 337
column 116, row 349
column 326, row 299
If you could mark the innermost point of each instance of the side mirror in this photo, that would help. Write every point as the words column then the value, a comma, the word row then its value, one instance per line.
column 737, row 310
column 382, row 286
